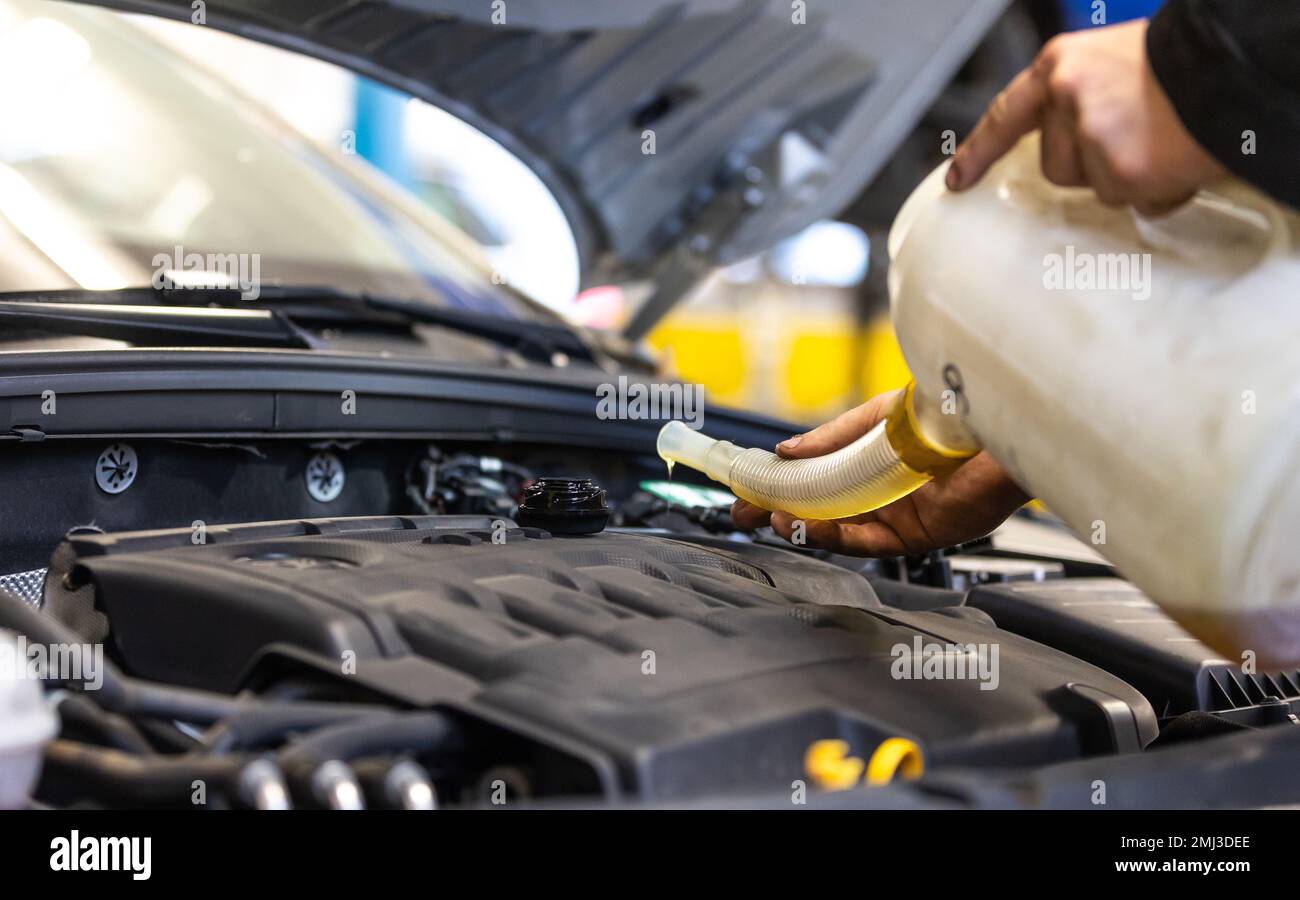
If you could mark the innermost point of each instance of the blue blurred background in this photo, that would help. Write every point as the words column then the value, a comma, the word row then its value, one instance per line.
column 1079, row 13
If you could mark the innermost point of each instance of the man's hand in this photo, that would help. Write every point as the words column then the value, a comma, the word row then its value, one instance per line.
column 962, row 506
column 1106, row 124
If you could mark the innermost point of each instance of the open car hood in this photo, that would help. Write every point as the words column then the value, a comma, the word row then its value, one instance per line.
column 675, row 134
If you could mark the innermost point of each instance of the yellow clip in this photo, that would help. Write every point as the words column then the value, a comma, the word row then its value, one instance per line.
column 896, row 756
column 830, row 767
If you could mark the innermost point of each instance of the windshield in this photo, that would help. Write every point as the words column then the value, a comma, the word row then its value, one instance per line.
column 120, row 164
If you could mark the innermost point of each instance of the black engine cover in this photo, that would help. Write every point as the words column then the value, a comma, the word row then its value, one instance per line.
column 668, row 666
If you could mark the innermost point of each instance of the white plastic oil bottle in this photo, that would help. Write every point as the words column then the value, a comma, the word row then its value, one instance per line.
column 1141, row 377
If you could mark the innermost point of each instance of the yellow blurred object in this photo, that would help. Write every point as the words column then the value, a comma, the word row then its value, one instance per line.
column 884, row 367
column 829, row 766
column 794, row 358
column 895, row 757
column 818, row 368
column 706, row 350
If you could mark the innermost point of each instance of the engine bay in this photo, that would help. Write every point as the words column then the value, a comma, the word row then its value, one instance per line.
column 384, row 623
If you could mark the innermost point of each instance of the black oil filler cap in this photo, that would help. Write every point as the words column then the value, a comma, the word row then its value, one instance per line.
column 564, row 505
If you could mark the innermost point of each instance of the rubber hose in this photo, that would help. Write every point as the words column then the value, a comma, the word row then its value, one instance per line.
column 409, row 733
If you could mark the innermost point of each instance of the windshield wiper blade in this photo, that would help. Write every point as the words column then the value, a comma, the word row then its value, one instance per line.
column 158, row 325
column 531, row 338
column 272, row 315
column 535, row 340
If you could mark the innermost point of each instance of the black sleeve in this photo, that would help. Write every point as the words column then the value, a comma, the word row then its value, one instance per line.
column 1230, row 67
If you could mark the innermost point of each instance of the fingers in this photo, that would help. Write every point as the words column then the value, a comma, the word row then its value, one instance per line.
column 862, row 536
column 1060, row 152
column 859, row 536
column 839, row 432
column 842, row 430
column 823, row 439
column 1106, row 124
column 748, row 517
column 966, row 504
column 1015, row 112
column 1153, row 208
column 1100, row 175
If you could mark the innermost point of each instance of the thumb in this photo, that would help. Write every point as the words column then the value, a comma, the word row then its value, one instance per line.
column 844, row 429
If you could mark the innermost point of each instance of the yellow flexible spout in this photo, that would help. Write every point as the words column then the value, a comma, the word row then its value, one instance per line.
column 890, row 461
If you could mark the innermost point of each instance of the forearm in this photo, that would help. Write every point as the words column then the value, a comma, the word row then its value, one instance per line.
column 1232, row 71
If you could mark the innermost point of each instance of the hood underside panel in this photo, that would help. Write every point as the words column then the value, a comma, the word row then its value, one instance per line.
column 710, row 127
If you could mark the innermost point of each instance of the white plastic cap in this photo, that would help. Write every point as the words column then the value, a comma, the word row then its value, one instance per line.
column 678, row 443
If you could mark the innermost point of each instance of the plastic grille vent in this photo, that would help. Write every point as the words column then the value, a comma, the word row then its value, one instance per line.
column 681, row 556
column 1233, row 689
column 668, row 563
column 26, row 586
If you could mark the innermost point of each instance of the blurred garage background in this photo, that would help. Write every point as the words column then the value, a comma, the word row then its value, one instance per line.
column 801, row 332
